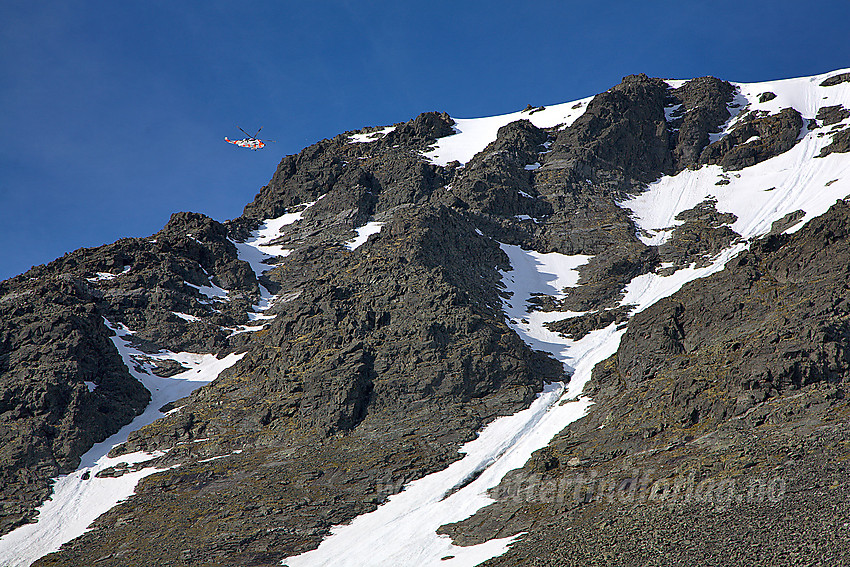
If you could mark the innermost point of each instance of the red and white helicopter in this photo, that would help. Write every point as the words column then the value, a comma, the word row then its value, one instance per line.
column 251, row 142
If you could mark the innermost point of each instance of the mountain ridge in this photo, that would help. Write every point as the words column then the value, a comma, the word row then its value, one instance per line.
column 366, row 365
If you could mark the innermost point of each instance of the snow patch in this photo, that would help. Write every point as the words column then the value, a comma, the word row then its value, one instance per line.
column 672, row 112
column 212, row 291
column 763, row 193
column 473, row 134
column 403, row 531
column 363, row 234
column 257, row 250
column 258, row 247
column 370, row 136
column 101, row 276
column 186, row 316
column 647, row 289
column 533, row 274
column 220, row 456
column 736, row 107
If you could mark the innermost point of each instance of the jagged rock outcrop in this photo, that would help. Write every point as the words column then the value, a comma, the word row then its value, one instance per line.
column 788, row 296
column 829, row 115
column 620, row 141
column 497, row 182
column 579, row 326
column 840, row 143
column 834, row 116
column 703, row 234
column 356, row 176
column 699, row 107
column 836, row 80
column 754, row 139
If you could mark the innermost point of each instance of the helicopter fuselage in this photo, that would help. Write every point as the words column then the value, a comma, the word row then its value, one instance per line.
column 251, row 143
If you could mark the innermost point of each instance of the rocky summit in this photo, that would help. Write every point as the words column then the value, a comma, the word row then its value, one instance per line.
column 613, row 331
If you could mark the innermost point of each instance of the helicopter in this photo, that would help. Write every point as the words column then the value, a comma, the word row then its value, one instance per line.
column 251, row 142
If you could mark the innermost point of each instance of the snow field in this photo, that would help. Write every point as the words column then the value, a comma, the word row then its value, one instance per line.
column 186, row 316
column 766, row 192
column 108, row 276
column 212, row 291
column 536, row 273
column 258, row 248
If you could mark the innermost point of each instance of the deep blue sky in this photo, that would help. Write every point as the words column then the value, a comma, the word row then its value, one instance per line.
column 114, row 112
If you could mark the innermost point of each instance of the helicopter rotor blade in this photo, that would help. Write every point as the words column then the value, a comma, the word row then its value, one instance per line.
column 244, row 132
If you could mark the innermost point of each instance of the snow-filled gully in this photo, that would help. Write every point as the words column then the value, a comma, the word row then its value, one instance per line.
column 80, row 497
column 403, row 531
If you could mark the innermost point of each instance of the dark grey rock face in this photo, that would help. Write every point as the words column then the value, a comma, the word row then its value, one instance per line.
column 387, row 357
column 53, row 341
column 755, row 139
column 578, row 327
column 623, row 128
column 836, row 80
column 805, row 278
column 829, row 115
column 703, row 110
column 426, row 126
column 840, row 133
column 369, row 178
column 840, row 143
column 703, row 234
column 495, row 182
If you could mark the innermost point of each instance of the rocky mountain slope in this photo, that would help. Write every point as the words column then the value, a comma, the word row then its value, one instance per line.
column 611, row 331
